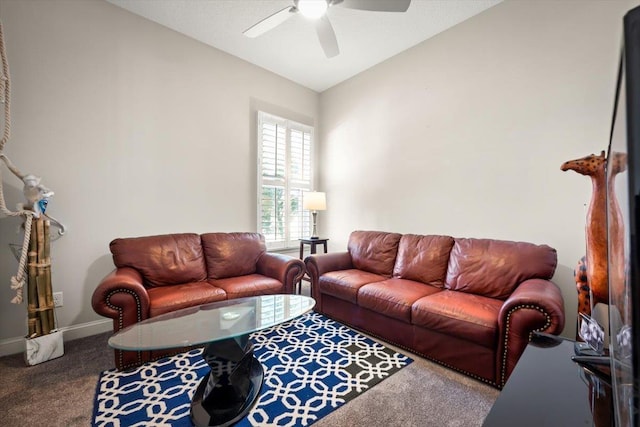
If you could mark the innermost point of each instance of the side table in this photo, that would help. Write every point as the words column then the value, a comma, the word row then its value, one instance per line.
column 313, row 243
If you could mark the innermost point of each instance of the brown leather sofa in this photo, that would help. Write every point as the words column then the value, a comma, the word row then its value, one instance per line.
column 468, row 304
column 160, row 274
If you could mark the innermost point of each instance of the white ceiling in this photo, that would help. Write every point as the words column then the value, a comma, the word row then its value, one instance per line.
column 292, row 49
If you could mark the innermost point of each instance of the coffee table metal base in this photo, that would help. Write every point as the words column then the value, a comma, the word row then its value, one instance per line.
column 231, row 388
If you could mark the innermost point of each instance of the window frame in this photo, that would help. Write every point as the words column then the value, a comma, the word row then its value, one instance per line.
column 286, row 182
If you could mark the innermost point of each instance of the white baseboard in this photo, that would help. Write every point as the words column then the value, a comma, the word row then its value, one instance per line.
column 69, row 333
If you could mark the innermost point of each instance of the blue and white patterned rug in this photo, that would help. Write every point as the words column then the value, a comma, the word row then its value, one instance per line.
column 313, row 365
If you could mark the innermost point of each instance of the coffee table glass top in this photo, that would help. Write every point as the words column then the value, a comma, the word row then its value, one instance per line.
column 211, row 322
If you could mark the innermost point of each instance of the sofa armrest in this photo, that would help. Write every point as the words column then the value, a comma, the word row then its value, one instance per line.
column 122, row 297
column 285, row 268
column 321, row 263
column 318, row 264
column 535, row 305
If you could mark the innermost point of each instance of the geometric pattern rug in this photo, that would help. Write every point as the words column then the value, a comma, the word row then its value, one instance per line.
column 312, row 365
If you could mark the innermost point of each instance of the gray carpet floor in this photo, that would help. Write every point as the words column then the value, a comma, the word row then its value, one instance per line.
column 54, row 393
column 60, row 392
column 423, row 394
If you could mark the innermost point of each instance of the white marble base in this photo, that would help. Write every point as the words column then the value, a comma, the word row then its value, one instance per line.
column 43, row 348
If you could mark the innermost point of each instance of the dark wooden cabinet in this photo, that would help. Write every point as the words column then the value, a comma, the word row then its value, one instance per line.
column 547, row 388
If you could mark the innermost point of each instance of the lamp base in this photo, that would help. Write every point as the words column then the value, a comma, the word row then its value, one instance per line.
column 314, row 230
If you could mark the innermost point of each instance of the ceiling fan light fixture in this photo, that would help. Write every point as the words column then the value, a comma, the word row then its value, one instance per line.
column 312, row 9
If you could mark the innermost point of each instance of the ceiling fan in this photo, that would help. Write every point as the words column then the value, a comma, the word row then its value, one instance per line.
column 317, row 11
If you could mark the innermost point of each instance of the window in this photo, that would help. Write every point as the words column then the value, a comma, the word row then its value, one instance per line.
column 284, row 173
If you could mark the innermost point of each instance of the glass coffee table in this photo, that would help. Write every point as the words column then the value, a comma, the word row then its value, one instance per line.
column 232, row 386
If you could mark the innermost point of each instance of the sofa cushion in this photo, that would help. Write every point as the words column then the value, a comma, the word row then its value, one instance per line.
column 494, row 268
column 232, row 254
column 423, row 258
column 467, row 316
column 374, row 251
column 165, row 299
column 344, row 284
column 393, row 297
column 162, row 260
column 248, row 286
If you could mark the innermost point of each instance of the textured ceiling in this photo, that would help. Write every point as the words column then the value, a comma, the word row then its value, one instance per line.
column 292, row 49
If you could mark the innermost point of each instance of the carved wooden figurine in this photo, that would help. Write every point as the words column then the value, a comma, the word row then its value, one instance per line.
column 594, row 288
column 596, row 226
column 618, row 164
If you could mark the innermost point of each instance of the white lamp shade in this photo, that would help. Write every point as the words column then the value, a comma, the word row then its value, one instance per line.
column 314, row 201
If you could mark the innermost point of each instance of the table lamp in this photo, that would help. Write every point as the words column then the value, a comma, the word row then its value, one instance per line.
column 314, row 201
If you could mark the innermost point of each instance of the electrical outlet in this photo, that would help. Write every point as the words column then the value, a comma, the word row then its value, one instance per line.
column 57, row 299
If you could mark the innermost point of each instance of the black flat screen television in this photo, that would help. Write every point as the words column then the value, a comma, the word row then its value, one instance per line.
column 623, row 220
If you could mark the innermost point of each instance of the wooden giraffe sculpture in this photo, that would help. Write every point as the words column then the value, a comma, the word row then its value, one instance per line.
column 617, row 162
column 582, row 286
column 596, row 233
column 591, row 273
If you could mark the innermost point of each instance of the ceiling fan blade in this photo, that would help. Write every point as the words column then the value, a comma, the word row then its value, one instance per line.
column 327, row 37
column 375, row 5
column 270, row 22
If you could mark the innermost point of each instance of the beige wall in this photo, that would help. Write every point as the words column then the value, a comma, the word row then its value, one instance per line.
column 465, row 133
column 138, row 130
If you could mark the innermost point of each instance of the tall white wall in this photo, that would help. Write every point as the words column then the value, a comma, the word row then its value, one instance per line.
column 465, row 133
column 138, row 130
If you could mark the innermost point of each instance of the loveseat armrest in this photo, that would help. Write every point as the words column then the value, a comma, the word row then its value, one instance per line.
column 535, row 305
column 285, row 268
column 122, row 297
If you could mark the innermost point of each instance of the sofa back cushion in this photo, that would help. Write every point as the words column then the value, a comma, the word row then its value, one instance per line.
column 494, row 268
column 374, row 251
column 162, row 260
column 232, row 254
column 423, row 258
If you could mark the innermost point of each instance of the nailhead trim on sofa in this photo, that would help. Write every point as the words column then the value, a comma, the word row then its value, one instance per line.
column 504, row 356
column 119, row 310
column 506, row 335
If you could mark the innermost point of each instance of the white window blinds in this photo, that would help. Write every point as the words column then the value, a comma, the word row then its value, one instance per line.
column 284, row 174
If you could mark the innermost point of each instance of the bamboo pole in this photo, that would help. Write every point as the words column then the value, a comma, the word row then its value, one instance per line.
column 41, row 278
column 41, row 318
column 47, row 272
column 32, row 295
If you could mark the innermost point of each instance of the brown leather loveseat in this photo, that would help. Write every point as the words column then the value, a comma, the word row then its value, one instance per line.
column 468, row 304
column 160, row 274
